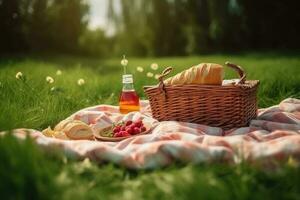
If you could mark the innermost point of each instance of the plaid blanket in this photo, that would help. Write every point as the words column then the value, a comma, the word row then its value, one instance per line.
column 273, row 136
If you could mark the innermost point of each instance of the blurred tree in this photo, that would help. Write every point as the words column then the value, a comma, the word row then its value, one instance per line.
column 42, row 25
column 180, row 27
column 70, row 21
column 167, row 23
column 226, row 27
column 11, row 37
column 196, row 27
column 272, row 23
column 38, row 22
column 94, row 43
column 150, row 28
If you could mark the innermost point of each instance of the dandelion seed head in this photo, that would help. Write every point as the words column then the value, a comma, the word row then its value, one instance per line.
column 81, row 82
column 49, row 80
column 154, row 66
column 58, row 72
column 124, row 61
column 19, row 75
column 140, row 69
column 149, row 74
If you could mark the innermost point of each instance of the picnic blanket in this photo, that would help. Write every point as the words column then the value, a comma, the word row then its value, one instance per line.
column 273, row 136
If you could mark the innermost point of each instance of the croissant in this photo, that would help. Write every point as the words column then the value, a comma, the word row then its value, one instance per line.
column 204, row 73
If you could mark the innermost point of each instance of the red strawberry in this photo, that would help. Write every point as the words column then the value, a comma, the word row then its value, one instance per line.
column 128, row 122
column 131, row 126
column 136, row 130
column 118, row 134
column 116, row 129
column 129, row 130
column 143, row 128
column 123, row 128
column 138, row 123
column 124, row 134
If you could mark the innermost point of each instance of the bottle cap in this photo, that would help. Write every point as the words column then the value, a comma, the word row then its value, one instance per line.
column 127, row 78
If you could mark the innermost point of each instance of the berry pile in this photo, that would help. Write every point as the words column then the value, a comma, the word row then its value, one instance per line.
column 128, row 128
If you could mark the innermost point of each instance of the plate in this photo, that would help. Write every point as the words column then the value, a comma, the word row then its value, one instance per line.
column 117, row 139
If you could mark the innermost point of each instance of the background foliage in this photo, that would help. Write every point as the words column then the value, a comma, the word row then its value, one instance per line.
column 42, row 25
column 180, row 27
column 149, row 28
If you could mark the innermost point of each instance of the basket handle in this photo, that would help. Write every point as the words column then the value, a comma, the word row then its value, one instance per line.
column 240, row 70
column 165, row 73
column 161, row 79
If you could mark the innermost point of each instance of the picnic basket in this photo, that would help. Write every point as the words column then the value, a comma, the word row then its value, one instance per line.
column 226, row 106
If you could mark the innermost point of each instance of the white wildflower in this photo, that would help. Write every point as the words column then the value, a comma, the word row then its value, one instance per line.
column 81, row 82
column 124, row 61
column 49, row 79
column 154, row 66
column 150, row 74
column 19, row 75
column 140, row 69
column 157, row 76
column 58, row 72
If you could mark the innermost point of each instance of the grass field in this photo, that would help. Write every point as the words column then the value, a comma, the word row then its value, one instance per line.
column 25, row 172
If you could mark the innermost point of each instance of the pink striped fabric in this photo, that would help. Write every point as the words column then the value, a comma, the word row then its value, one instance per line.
column 273, row 136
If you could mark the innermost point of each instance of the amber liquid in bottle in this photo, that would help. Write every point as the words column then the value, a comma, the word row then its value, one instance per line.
column 129, row 100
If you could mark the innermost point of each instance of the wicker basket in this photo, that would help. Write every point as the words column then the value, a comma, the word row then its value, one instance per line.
column 227, row 106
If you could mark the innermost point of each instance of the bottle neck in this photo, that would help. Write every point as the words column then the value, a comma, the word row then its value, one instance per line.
column 128, row 87
column 127, row 82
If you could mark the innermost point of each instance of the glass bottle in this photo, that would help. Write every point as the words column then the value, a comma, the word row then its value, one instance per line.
column 129, row 100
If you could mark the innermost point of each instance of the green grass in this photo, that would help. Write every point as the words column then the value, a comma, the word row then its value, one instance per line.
column 28, row 173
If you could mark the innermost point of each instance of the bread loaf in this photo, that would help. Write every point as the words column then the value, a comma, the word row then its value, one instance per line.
column 77, row 130
column 56, row 134
column 204, row 73
column 70, row 129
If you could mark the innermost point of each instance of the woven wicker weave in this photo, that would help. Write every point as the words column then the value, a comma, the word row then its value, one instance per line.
column 227, row 106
